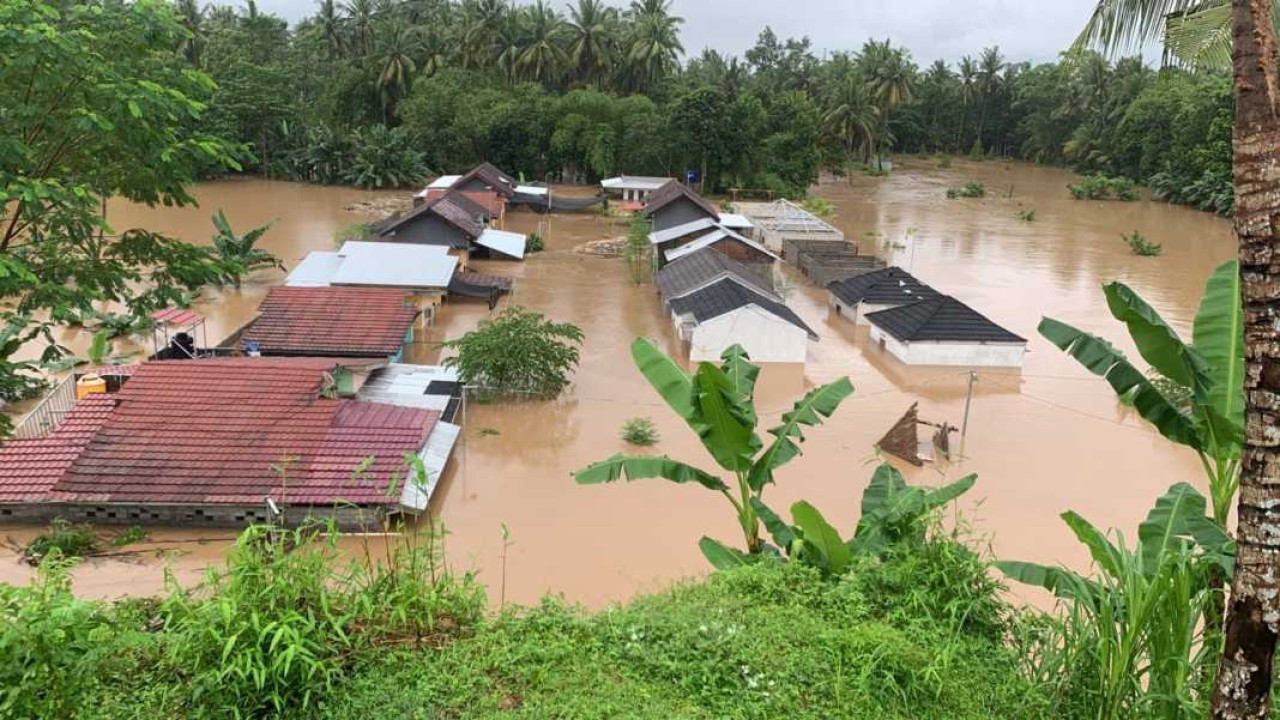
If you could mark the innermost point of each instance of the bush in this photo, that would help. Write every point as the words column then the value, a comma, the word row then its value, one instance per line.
column 971, row 189
column 534, row 243
column 1027, row 215
column 820, row 207
column 520, row 353
column 62, row 539
column 1139, row 244
column 1101, row 187
column 385, row 159
column 640, row 431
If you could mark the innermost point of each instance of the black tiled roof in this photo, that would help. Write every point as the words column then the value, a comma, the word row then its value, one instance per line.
column 673, row 191
column 726, row 296
column 453, row 207
column 888, row 286
column 697, row 268
column 940, row 319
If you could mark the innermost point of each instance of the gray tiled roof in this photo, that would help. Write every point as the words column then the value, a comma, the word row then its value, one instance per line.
column 454, row 208
column 887, row 286
column 726, row 296
column 704, row 266
column 673, row 191
column 940, row 319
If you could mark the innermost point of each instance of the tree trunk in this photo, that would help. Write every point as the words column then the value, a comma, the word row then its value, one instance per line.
column 1253, row 615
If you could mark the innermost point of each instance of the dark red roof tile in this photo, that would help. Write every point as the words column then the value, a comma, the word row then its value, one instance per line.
column 30, row 468
column 332, row 321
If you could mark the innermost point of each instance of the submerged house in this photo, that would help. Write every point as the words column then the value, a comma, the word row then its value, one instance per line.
column 453, row 220
column 945, row 331
column 227, row 442
column 727, row 312
column 346, row 322
column 673, row 205
column 485, row 185
column 632, row 190
column 855, row 297
column 425, row 271
column 705, row 267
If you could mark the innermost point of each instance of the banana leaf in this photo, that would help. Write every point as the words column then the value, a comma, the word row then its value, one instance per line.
column 784, row 536
column 1061, row 582
column 721, row 556
column 1179, row 516
column 726, row 428
column 817, row 404
column 736, row 365
column 1100, row 358
column 1218, row 335
column 1104, row 553
column 672, row 383
column 1158, row 344
column 634, row 468
column 820, row 537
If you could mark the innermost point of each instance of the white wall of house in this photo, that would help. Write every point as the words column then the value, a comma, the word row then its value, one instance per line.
column 951, row 353
column 856, row 314
column 765, row 337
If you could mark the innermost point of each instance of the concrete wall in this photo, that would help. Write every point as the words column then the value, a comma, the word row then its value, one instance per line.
column 856, row 314
column 679, row 212
column 233, row 516
column 766, row 337
column 951, row 353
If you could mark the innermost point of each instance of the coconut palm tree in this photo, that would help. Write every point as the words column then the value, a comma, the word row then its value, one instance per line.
column 191, row 46
column 360, row 14
column 397, row 47
column 331, row 28
column 1243, row 687
column 853, row 119
column 594, row 44
column 990, row 80
column 889, row 76
column 481, row 22
column 542, row 56
column 653, row 47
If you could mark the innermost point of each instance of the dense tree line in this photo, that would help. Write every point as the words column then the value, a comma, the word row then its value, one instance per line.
column 382, row 92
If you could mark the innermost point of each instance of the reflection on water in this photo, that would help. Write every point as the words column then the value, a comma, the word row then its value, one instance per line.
column 1049, row 438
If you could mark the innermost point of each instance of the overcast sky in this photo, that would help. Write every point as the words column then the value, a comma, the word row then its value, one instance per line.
column 1024, row 29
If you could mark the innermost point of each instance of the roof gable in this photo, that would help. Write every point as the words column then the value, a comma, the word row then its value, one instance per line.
column 453, row 207
column 701, row 268
column 674, row 191
column 490, row 176
column 886, row 286
column 334, row 321
column 726, row 296
column 941, row 319
column 715, row 236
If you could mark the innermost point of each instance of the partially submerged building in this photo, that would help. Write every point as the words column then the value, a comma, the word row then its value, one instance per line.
column 347, row 322
column 673, row 205
column 781, row 220
column 454, row 220
column 484, row 185
column 423, row 270
column 945, row 331
column 706, row 267
column 230, row 441
column 728, row 312
column 853, row 298
column 632, row 190
column 706, row 233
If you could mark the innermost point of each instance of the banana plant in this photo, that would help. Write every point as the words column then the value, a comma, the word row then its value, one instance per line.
column 239, row 253
column 1210, row 370
column 892, row 512
column 717, row 403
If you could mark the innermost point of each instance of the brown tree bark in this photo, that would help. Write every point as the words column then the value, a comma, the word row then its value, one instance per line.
column 1253, row 615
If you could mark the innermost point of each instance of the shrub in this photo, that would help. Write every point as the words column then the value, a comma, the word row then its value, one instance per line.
column 820, row 207
column 519, row 352
column 534, row 243
column 640, row 431
column 384, row 159
column 1027, row 215
column 1139, row 245
column 944, row 163
column 64, row 539
column 971, row 189
column 1101, row 187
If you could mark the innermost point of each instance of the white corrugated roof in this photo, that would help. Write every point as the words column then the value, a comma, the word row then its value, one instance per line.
column 417, row 492
column 406, row 385
column 508, row 243
column 444, row 182
column 633, row 182
column 315, row 270
column 735, row 221
column 391, row 264
column 710, row 239
column 532, row 190
column 680, row 231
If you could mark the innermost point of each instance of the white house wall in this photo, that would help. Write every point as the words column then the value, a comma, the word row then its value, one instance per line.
column 765, row 337
column 951, row 353
column 856, row 314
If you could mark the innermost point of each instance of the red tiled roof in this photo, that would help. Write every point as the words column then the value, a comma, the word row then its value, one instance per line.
column 177, row 317
column 672, row 191
column 29, row 468
column 498, row 181
column 332, row 321
column 209, row 432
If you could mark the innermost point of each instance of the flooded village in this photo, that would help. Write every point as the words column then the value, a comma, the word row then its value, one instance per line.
column 943, row 318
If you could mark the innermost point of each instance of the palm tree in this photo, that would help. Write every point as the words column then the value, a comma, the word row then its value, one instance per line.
column 542, row 56
column 191, row 46
column 481, row 22
column 360, row 12
column 1243, row 687
column 890, row 79
column 239, row 253
column 990, row 79
column 330, row 27
column 399, row 44
column 853, row 120
column 653, row 47
column 594, row 42
column 435, row 56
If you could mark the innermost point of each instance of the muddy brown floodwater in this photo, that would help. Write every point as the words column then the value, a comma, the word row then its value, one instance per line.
column 1042, row 441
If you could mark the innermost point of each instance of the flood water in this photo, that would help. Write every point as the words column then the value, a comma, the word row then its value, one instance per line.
column 1042, row 441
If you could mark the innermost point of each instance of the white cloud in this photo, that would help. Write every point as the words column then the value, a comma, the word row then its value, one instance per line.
column 1035, row 30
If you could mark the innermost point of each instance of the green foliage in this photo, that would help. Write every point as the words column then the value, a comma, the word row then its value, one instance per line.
column 1212, row 367
column 820, row 207
column 519, row 353
column 971, row 189
column 718, row 404
column 384, row 159
column 1027, row 215
column 1130, row 641
column 534, row 243
column 1101, row 187
column 640, row 431
column 239, row 253
column 638, row 251
column 62, row 539
column 1141, row 246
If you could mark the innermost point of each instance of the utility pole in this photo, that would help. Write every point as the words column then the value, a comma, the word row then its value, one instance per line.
column 968, row 399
